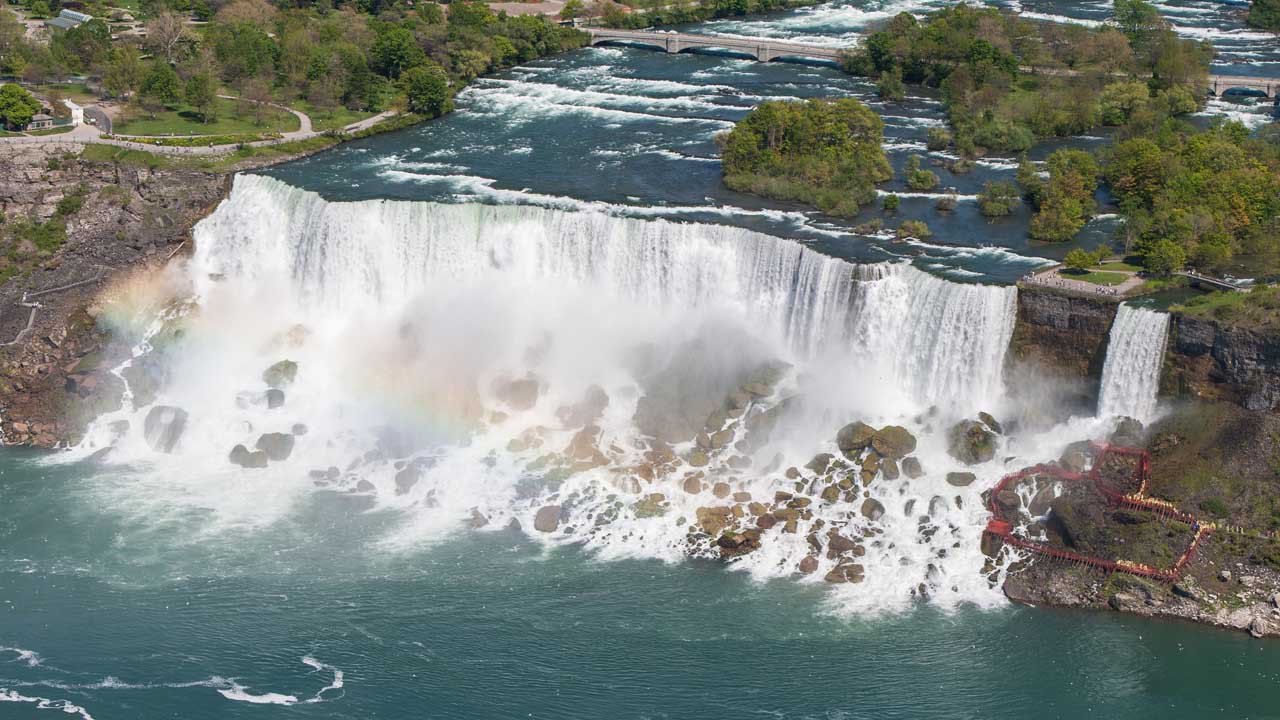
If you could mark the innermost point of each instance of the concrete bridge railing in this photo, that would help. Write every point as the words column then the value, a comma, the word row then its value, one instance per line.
column 762, row 49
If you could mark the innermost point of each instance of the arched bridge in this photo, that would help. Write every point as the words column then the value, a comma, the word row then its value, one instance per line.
column 762, row 49
column 1220, row 84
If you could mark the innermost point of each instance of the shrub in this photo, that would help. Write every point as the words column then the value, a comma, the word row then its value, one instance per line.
column 917, row 229
column 947, row 202
column 919, row 179
column 997, row 199
column 938, row 139
column 891, row 203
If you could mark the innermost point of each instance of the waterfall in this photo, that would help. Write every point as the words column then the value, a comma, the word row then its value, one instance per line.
column 409, row 323
column 1135, row 354
column 939, row 340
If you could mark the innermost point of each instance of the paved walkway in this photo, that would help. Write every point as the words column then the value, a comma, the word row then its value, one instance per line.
column 1054, row 278
column 86, row 134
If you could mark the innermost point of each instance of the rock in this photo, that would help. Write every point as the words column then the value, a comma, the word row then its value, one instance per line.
column 820, row 462
column 1275, row 600
column 1224, row 575
column 693, row 484
column 851, row 573
column 808, row 564
column 274, row 398
column 365, row 486
column 281, row 374
column 1187, row 588
column 1258, row 627
column 889, row 469
column 991, row 423
column 652, row 505
column 714, row 520
column 721, row 490
column 911, row 467
column 1128, row 432
column 1041, row 501
column 960, row 479
column 407, row 477
column 1122, row 600
column 872, row 509
column 242, row 456
column 839, row 544
column 1076, row 457
column 830, row 494
column 299, row 429
column 277, row 446
column 587, row 410
column 742, row 496
column 971, row 442
column 547, row 519
column 855, row 437
column 518, row 394
column 698, row 458
column 163, row 427
column 893, row 442
column 477, row 519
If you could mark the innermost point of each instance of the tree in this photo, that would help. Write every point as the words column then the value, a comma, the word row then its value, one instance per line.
column 125, row 73
column 165, row 32
column 891, row 203
column 427, row 89
column 916, row 229
column 1164, row 257
column 202, row 95
column 1265, row 14
column 17, row 106
column 919, row 179
column 1139, row 20
column 394, row 51
column 1078, row 259
column 161, row 86
column 997, row 199
column 572, row 9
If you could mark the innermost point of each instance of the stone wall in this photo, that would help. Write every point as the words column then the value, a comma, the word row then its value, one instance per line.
column 1209, row 360
column 1062, row 331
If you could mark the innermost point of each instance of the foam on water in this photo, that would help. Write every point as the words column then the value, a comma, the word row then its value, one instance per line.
column 406, row 319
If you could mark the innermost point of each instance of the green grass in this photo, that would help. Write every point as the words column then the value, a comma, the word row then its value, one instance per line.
column 1257, row 308
column 1095, row 277
column 123, row 156
column 1121, row 265
column 334, row 119
column 76, row 92
column 52, row 130
column 184, row 121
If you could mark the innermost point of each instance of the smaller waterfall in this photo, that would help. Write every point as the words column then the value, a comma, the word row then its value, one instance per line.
column 1135, row 354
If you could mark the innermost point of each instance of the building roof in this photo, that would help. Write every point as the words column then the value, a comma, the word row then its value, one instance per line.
column 77, row 16
column 62, row 23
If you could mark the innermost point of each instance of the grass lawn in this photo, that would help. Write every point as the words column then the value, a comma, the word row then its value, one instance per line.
column 78, row 93
column 184, row 121
column 1258, row 308
column 53, row 130
column 334, row 119
column 1096, row 277
column 1120, row 265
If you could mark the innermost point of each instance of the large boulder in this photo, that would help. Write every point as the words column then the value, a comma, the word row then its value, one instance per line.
column 1128, row 432
column 850, row 573
column 894, row 442
column 547, row 519
column 246, row 458
column 911, row 467
column 960, row 479
column 587, row 410
column 872, row 509
column 407, row 477
column 971, row 442
column 855, row 437
column 164, row 426
column 518, row 394
column 281, row 374
column 277, row 446
column 275, row 398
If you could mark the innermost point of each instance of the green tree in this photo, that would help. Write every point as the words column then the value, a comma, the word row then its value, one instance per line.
column 891, row 203
column 394, row 51
column 1139, row 20
column 201, row 94
column 918, row 178
column 572, row 9
column 125, row 73
column 427, row 89
column 997, row 199
column 1079, row 259
column 1265, row 14
column 161, row 85
column 916, row 229
column 17, row 106
column 1164, row 258
column 824, row 152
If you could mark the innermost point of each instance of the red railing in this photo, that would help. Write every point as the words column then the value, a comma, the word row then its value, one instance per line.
column 1002, row 527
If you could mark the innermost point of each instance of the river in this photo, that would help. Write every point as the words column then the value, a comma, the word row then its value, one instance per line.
column 565, row 230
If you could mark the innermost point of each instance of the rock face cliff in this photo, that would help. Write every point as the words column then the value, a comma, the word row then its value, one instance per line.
column 1067, row 333
column 1205, row 358
column 1210, row 360
column 54, row 358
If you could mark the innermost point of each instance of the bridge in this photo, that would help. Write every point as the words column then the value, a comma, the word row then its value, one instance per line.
column 762, row 49
column 1221, row 84
column 766, row 50
column 1215, row 283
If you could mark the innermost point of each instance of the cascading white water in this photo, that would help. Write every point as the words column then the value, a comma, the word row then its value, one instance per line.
column 1135, row 354
column 404, row 318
